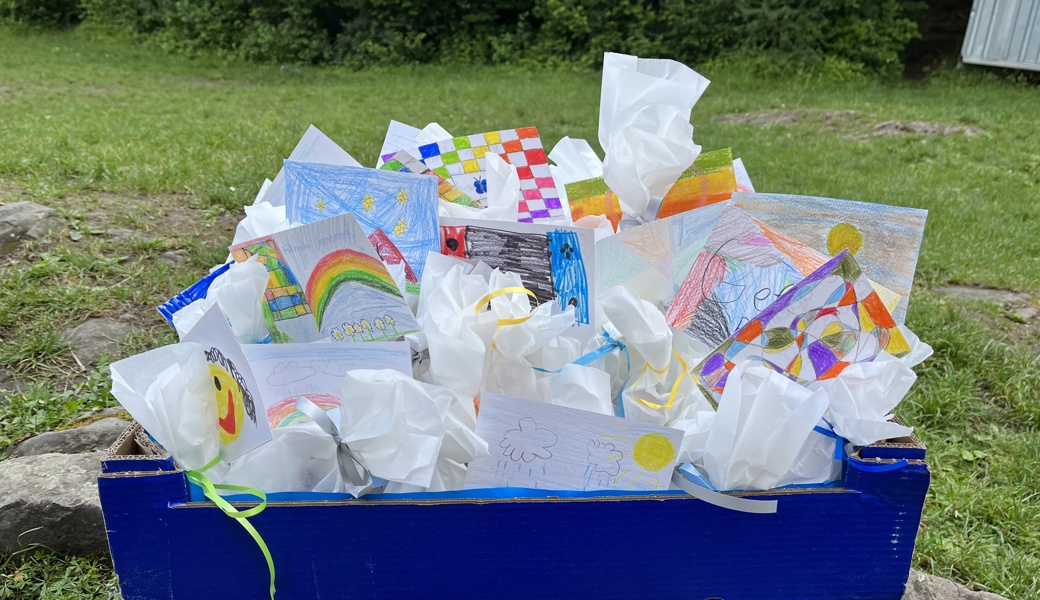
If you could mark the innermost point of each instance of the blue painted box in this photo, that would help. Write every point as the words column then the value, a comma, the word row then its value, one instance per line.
column 849, row 542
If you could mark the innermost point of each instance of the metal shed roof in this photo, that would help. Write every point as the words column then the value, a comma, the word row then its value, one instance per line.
column 1003, row 33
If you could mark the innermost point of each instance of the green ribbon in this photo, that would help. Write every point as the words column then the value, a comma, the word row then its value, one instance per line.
column 209, row 489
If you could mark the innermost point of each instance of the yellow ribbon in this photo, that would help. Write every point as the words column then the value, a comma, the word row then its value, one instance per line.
column 209, row 489
column 502, row 292
column 675, row 386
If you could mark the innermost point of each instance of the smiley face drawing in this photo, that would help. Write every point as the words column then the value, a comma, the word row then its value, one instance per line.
column 234, row 402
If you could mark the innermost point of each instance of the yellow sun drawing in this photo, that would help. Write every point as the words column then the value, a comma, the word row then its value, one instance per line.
column 400, row 228
column 402, row 197
column 368, row 202
column 320, row 206
column 653, row 452
column 842, row 236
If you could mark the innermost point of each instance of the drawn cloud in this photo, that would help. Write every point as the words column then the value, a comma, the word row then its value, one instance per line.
column 604, row 457
column 289, row 372
column 528, row 442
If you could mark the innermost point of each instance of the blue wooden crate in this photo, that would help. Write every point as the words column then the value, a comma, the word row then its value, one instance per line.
column 850, row 542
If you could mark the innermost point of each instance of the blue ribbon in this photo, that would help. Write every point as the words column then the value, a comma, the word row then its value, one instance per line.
column 899, row 464
column 598, row 353
column 839, row 442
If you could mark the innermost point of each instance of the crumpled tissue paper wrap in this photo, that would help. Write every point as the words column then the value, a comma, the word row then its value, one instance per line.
column 760, row 429
column 644, row 126
column 240, row 294
column 503, row 194
column 400, row 428
column 169, row 391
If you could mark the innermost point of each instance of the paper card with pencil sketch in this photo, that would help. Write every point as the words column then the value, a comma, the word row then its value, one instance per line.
column 885, row 240
column 548, row 447
column 829, row 320
column 653, row 259
column 287, row 314
column 399, row 210
column 555, row 262
column 240, row 416
column 349, row 291
column 316, row 371
column 593, row 197
column 744, row 266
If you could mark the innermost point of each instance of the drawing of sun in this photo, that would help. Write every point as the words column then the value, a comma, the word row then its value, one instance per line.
column 230, row 404
column 653, row 452
column 842, row 236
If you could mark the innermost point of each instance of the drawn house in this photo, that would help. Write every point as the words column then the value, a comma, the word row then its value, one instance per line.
column 549, row 264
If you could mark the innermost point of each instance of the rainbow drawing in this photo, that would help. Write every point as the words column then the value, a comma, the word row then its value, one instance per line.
column 346, row 266
column 284, row 413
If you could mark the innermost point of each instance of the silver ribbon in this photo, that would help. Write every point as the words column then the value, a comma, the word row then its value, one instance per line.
column 747, row 505
column 350, row 468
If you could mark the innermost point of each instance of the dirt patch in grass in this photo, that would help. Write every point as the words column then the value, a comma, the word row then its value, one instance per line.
column 853, row 123
column 1013, row 316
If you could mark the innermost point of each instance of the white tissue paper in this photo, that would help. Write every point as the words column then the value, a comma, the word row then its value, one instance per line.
column 396, row 426
column 644, row 126
column 575, row 161
column 760, row 429
column 863, row 396
column 298, row 459
column 169, row 392
column 503, row 194
column 239, row 292
column 262, row 219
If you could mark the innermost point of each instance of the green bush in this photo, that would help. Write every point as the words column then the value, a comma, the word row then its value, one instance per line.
column 42, row 13
column 862, row 34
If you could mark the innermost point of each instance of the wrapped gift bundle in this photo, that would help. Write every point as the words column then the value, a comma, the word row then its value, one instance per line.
column 477, row 348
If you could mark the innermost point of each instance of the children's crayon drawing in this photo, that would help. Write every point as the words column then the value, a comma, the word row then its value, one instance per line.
column 885, row 240
column 235, row 392
column 286, row 311
column 543, row 446
column 403, row 206
column 738, row 274
column 285, row 371
column 556, row 263
column 709, row 180
column 446, row 190
column 593, row 197
column 819, row 326
column 335, row 271
column 461, row 160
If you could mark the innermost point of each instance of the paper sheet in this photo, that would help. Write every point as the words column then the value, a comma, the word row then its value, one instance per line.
column 314, row 146
column 743, row 179
column 542, row 446
column 234, row 390
column 285, row 371
column 398, row 137
column 709, row 179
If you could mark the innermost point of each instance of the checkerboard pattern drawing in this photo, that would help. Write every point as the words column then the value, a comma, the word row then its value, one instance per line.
column 461, row 160
column 406, row 163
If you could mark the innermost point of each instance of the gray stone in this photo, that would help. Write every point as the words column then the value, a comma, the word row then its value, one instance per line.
column 96, row 436
column 52, row 499
column 26, row 221
column 922, row 586
column 967, row 292
column 1027, row 313
column 94, row 337
column 173, row 257
column 889, row 128
column 11, row 382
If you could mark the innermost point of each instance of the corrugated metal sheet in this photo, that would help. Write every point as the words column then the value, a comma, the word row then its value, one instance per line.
column 1003, row 33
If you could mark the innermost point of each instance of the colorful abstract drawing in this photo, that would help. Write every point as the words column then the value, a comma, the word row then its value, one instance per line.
column 709, row 180
column 461, row 160
column 653, row 259
column 284, row 294
column 593, row 197
column 351, row 295
column 543, row 446
column 446, row 190
column 822, row 324
column 553, row 262
column 885, row 240
column 402, row 205
column 284, row 413
column 738, row 274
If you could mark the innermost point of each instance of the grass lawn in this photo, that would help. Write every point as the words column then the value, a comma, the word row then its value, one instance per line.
column 116, row 135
